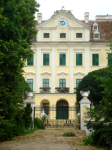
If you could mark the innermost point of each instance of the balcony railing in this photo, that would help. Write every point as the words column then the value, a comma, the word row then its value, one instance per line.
column 62, row 90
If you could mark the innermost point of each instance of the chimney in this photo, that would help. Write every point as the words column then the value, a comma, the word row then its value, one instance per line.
column 39, row 16
column 86, row 16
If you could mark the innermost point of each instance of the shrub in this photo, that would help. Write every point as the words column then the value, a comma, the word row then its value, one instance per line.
column 43, row 119
column 68, row 134
column 39, row 124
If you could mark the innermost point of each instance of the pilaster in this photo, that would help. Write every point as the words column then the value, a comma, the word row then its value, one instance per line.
column 71, row 69
column 87, row 60
column 53, row 71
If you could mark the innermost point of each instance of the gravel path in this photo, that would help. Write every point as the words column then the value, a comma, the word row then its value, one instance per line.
column 49, row 139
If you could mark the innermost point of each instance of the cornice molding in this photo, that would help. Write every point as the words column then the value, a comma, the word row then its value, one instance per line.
column 30, row 72
column 79, row 72
column 62, row 72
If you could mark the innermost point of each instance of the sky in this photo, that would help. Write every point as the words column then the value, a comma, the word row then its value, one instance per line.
column 78, row 7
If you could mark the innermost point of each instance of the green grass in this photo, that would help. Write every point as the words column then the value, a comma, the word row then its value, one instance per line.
column 68, row 134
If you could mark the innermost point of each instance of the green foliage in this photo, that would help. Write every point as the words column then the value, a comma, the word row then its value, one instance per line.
column 27, row 116
column 39, row 124
column 68, row 134
column 43, row 119
column 16, row 33
column 89, row 140
column 89, row 82
column 78, row 119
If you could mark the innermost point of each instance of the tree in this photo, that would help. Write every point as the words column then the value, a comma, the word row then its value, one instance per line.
column 102, row 113
column 16, row 33
column 90, row 83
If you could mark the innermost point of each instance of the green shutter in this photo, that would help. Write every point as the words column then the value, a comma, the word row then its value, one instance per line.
column 46, row 59
column 95, row 59
column 62, row 82
column 30, row 61
column 45, row 82
column 78, row 59
column 30, row 83
column 63, row 59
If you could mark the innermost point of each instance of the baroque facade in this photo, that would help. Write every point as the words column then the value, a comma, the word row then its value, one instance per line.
column 65, row 50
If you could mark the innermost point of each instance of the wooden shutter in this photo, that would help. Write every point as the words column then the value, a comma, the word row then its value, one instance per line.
column 79, row 59
column 46, row 59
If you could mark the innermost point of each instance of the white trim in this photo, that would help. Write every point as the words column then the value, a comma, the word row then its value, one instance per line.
column 87, row 60
column 71, row 70
column 30, row 72
column 79, row 38
column 46, row 49
column 82, row 59
column 59, row 59
column 95, row 49
column 92, row 59
column 108, row 49
column 49, row 35
column 62, row 38
column 49, row 59
column 45, row 72
column 53, row 71
column 95, row 24
column 62, row 49
column 78, row 49
column 79, row 72
column 96, row 32
column 46, row 78
column 62, row 72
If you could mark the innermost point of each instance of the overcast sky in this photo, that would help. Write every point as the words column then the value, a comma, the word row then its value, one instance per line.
column 78, row 7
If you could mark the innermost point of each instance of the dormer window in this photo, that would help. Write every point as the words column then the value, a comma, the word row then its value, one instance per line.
column 96, row 35
column 95, row 26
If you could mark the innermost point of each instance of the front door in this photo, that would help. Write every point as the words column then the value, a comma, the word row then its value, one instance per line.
column 62, row 110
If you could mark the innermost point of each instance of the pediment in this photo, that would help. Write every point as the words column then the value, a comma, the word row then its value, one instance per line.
column 46, row 73
column 54, row 21
column 62, row 73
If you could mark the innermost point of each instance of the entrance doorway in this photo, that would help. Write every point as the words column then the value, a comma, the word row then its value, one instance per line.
column 62, row 110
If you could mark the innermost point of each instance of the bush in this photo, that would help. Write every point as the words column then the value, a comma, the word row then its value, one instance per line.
column 88, row 140
column 68, row 134
column 39, row 124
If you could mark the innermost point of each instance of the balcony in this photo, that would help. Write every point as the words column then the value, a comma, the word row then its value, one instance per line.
column 58, row 90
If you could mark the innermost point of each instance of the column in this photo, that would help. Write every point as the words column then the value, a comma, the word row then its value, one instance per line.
column 53, row 71
column 54, row 35
column 71, row 70
column 38, row 69
column 87, row 60
column 84, row 105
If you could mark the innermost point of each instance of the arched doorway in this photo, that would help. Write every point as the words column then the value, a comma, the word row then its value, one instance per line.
column 62, row 110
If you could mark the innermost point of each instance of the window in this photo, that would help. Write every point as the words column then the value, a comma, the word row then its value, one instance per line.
column 62, row 83
column 30, row 61
column 78, row 35
column 78, row 59
column 77, row 82
column 46, row 35
column 95, row 59
column 62, row 59
column 45, row 82
column 95, row 27
column 30, row 83
column 96, row 35
column 62, row 35
column 45, row 59
column 110, row 59
column 46, row 108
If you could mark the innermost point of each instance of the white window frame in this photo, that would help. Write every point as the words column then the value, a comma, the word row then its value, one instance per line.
column 79, row 38
column 62, row 38
column 82, row 58
column 49, row 35
column 95, row 24
column 59, row 59
column 62, row 78
column 49, row 59
column 92, row 59
column 96, row 32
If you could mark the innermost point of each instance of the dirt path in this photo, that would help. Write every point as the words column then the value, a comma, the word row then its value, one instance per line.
column 49, row 139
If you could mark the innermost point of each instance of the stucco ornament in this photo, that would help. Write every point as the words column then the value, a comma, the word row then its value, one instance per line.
column 84, row 111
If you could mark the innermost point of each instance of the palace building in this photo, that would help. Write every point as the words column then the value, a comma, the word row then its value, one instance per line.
column 65, row 50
